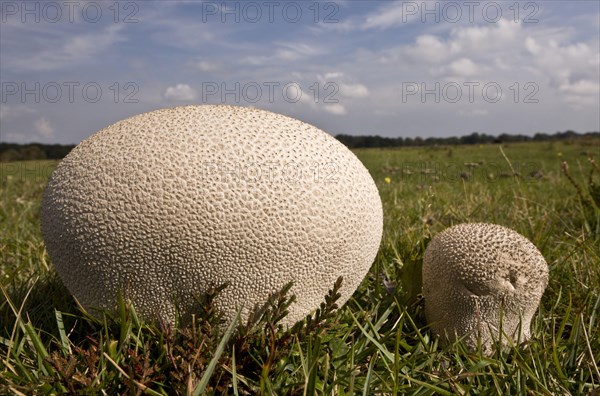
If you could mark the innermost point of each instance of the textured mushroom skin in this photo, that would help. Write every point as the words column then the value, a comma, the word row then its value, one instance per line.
column 478, row 276
column 164, row 205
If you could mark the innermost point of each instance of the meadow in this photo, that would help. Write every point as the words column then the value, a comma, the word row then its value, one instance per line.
column 379, row 342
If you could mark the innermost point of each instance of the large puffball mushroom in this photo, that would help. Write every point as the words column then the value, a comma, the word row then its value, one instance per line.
column 164, row 205
column 480, row 278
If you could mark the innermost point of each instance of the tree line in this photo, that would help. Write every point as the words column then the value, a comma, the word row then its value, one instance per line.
column 38, row 151
column 33, row 151
column 372, row 141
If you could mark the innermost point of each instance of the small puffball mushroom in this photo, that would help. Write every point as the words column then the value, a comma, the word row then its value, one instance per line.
column 478, row 277
column 164, row 206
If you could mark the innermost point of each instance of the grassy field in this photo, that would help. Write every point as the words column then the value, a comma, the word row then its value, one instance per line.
column 379, row 342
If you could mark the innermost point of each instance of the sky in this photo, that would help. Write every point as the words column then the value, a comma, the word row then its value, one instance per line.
column 392, row 68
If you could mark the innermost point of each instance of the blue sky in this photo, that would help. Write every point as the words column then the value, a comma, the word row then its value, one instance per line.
column 393, row 68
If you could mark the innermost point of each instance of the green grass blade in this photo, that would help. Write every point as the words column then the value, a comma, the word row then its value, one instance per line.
column 213, row 362
column 40, row 349
column 314, row 350
column 388, row 355
column 234, row 378
column 366, row 387
column 64, row 340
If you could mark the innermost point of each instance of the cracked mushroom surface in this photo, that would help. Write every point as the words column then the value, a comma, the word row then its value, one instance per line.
column 164, row 205
column 478, row 277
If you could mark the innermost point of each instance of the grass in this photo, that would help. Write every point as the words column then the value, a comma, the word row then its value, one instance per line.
column 379, row 342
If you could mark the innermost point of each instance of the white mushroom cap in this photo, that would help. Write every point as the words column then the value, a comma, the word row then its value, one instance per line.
column 478, row 276
column 164, row 205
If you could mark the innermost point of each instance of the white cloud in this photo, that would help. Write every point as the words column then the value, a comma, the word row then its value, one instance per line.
column 180, row 92
column 547, row 63
column 292, row 52
column 431, row 49
column 337, row 109
column 489, row 36
column 570, row 69
column 391, row 14
column 494, row 52
column 581, row 87
column 346, row 84
column 581, row 93
column 9, row 112
column 75, row 50
column 464, row 67
column 501, row 64
column 354, row 90
column 308, row 99
column 494, row 42
column 44, row 128
column 532, row 46
column 206, row 66
column 285, row 53
column 579, row 101
column 332, row 75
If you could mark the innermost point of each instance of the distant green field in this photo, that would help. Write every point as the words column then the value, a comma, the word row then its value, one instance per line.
column 47, row 346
